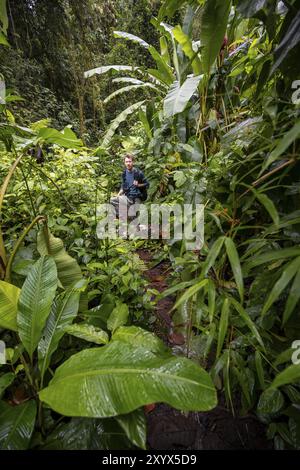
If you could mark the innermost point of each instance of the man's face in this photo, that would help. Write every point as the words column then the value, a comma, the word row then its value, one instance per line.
column 128, row 163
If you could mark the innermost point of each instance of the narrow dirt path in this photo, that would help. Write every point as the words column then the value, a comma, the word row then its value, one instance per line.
column 170, row 429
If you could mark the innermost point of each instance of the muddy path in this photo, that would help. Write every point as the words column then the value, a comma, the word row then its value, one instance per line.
column 170, row 429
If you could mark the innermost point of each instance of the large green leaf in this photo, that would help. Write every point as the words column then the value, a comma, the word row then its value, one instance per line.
column 162, row 65
column 270, row 256
column 118, row 317
column 223, row 325
column 128, row 88
column 178, row 96
column 118, row 120
column 88, row 333
column 212, row 255
column 107, row 68
column 35, row 301
column 190, row 292
column 67, row 138
column 119, row 378
column 64, row 310
column 213, row 28
column 9, row 296
column 16, row 425
column 68, row 269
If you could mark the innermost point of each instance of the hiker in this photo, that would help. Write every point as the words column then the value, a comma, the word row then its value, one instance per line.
column 133, row 188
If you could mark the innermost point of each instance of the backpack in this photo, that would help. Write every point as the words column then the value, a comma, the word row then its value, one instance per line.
column 137, row 175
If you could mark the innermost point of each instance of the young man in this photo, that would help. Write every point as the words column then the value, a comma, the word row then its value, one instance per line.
column 133, row 182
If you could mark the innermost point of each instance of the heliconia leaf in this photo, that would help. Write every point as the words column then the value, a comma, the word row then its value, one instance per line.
column 68, row 269
column 35, row 302
column 288, row 273
column 118, row 120
column 235, row 265
column 213, row 29
column 190, row 292
column 107, row 68
column 223, row 325
column 9, row 296
column 119, row 378
column 245, row 316
column 289, row 375
column 64, row 310
column 16, row 425
column 178, row 96
column 212, row 255
column 248, row 8
column 87, row 332
column 139, row 337
column 132, row 81
column 128, row 88
column 269, row 206
column 118, row 317
column 131, row 37
column 135, row 426
column 292, row 300
column 67, row 138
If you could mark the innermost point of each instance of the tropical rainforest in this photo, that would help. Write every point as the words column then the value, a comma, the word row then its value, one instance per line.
column 103, row 340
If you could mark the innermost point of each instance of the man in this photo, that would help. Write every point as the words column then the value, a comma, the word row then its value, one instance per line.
column 133, row 187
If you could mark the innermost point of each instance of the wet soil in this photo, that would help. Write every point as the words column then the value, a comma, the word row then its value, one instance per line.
column 170, row 429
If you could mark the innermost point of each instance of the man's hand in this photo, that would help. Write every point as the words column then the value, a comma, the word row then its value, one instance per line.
column 136, row 183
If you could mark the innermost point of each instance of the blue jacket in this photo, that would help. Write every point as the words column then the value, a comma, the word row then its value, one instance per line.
column 131, row 191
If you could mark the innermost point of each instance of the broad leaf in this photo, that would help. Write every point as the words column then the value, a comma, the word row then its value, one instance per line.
column 35, row 302
column 190, row 292
column 245, row 316
column 5, row 381
column 213, row 28
column 131, row 37
column 288, row 273
column 140, row 338
column 68, row 269
column 235, row 265
column 178, row 96
column 119, row 378
column 9, row 296
column 118, row 317
column 293, row 299
column 187, row 47
column 135, row 426
column 289, row 375
column 107, row 68
column 284, row 143
column 16, row 425
column 64, row 310
column 212, row 255
column 126, row 89
column 289, row 42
